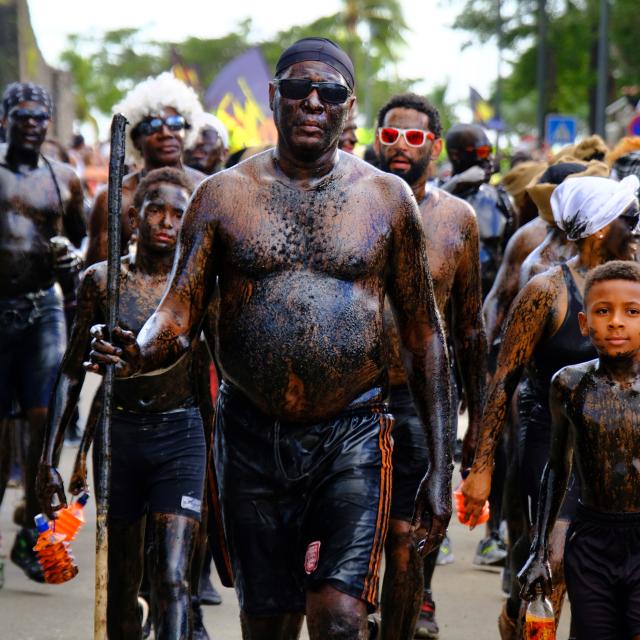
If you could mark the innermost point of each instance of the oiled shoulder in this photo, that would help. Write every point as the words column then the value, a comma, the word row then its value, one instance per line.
column 550, row 282
column 569, row 378
column 525, row 240
column 455, row 209
column 63, row 170
column 96, row 274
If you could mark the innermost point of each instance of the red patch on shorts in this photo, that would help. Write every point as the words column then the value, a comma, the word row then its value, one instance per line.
column 311, row 557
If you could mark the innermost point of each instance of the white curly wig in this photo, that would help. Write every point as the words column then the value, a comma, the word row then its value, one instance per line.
column 150, row 96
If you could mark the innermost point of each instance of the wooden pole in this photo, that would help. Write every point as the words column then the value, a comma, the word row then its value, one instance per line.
column 116, row 171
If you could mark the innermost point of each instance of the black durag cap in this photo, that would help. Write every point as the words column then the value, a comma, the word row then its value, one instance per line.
column 319, row 50
column 18, row 92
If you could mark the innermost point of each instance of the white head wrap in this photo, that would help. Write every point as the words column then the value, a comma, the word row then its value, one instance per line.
column 583, row 206
column 205, row 119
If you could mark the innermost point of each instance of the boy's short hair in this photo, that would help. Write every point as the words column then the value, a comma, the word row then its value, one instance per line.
column 164, row 174
column 614, row 270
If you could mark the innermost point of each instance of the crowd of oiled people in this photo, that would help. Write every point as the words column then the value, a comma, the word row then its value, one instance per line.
column 299, row 329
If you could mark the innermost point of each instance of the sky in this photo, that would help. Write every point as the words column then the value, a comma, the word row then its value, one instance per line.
column 433, row 50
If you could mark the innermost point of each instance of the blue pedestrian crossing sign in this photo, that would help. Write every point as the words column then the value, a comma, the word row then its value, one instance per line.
column 561, row 129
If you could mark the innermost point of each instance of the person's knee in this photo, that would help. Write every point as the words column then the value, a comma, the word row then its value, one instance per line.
column 400, row 537
column 333, row 615
column 171, row 583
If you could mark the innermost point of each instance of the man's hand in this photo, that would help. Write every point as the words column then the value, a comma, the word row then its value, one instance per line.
column 78, row 482
column 472, row 177
column 536, row 572
column 49, row 484
column 431, row 513
column 67, row 258
column 475, row 490
column 126, row 357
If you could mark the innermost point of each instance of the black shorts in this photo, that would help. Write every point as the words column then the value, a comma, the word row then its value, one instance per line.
column 602, row 570
column 158, row 464
column 410, row 451
column 303, row 504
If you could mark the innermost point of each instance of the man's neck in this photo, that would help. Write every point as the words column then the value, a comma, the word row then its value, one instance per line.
column 419, row 188
column 303, row 172
column 153, row 263
column 149, row 165
column 623, row 369
column 18, row 158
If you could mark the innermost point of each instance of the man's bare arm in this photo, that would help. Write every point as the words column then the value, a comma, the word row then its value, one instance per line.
column 97, row 247
column 505, row 287
column 424, row 355
column 525, row 325
column 469, row 337
column 552, row 490
column 169, row 332
column 75, row 226
column 66, row 391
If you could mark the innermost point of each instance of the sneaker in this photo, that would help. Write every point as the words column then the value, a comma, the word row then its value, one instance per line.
column 491, row 552
column 373, row 626
column 427, row 627
column 445, row 553
column 208, row 593
column 199, row 632
column 24, row 556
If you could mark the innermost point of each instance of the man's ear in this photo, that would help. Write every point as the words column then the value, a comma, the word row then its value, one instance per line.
column 133, row 217
column 352, row 101
column 272, row 94
column 582, row 321
column 436, row 150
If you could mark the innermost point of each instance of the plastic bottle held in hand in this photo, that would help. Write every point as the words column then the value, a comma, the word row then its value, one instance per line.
column 540, row 623
column 53, row 553
column 71, row 518
column 461, row 507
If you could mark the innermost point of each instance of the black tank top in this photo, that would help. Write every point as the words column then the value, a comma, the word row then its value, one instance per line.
column 565, row 347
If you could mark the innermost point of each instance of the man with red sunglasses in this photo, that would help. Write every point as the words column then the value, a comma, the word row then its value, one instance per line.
column 302, row 242
column 408, row 139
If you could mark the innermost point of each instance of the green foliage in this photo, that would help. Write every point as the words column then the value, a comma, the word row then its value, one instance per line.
column 571, row 66
column 371, row 31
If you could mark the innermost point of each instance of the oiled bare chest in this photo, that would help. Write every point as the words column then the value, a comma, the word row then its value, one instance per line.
column 332, row 230
column 29, row 204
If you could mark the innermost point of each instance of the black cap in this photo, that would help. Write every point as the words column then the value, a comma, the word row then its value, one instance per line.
column 320, row 50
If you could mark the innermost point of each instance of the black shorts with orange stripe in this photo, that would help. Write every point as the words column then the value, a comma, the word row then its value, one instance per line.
column 304, row 505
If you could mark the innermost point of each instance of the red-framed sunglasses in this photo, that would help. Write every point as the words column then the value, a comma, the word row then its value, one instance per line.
column 413, row 137
column 482, row 152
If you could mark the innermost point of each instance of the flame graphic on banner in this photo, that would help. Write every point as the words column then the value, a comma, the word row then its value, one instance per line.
column 239, row 96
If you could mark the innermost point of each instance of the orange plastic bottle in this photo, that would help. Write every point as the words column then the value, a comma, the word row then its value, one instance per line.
column 461, row 510
column 540, row 623
column 71, row 518
column 53, row 553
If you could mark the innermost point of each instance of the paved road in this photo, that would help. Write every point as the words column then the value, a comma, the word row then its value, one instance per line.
column 468, row 600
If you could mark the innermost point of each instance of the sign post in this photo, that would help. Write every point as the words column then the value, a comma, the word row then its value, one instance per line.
column 560, row 129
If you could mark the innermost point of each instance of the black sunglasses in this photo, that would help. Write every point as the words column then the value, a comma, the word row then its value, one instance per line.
column 153, row 125
column 22, row 115
column 299, row 89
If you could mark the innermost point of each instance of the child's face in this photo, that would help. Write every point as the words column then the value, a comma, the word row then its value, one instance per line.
column 612, row 318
